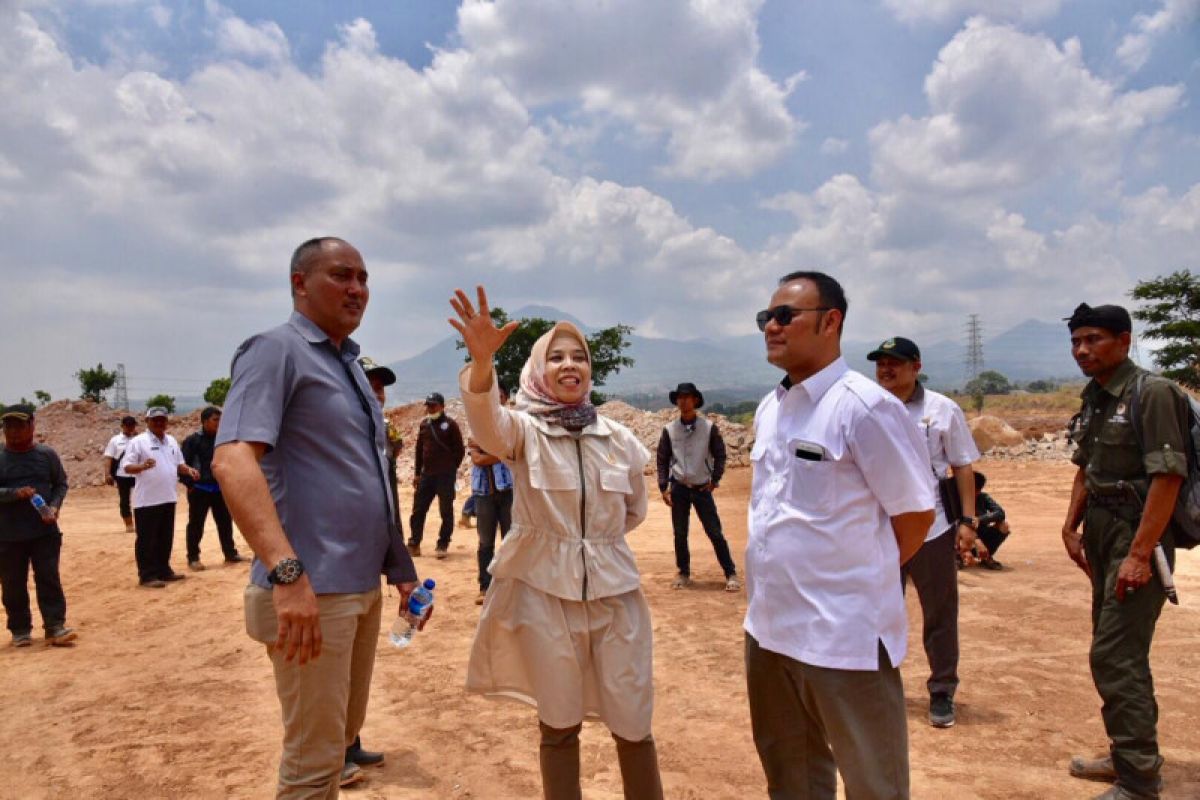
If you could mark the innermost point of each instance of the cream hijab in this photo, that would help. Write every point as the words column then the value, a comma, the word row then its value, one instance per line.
column 534, row 395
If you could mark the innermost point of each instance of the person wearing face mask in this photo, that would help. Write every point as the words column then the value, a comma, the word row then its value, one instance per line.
column 565, row 626
column 440, row 450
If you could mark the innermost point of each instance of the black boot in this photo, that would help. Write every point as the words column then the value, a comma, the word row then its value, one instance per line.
column 364, row 758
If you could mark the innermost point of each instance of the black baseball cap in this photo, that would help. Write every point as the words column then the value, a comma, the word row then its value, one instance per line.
column 896, row 347
column 435, row 399
column 19, row 411
column 383, row 373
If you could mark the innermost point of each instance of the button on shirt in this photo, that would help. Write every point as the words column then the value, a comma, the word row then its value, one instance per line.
column 944, row 427
column 326, row 463
column 834, row 458
column 155, row 486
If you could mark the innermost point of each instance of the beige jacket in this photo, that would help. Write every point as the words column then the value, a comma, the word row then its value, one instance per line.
column 558, row 480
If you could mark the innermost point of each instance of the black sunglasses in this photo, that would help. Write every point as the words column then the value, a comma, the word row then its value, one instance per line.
column 783, row 315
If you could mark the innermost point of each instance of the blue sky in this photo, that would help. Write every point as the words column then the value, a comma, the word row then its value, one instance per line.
column 656, row 163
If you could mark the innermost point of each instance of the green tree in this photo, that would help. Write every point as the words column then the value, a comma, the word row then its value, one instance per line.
column 93, row 383
column 43, row 398
column 1040, row 386
column 1172, row 316
column 606, row 347
column 217, row 391
column 988, row 382
column 164, row 400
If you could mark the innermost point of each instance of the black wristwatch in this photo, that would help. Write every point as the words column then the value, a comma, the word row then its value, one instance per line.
column 288, row 570
column 970, row 522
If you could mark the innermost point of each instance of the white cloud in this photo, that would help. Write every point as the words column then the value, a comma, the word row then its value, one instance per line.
column 680, row 69
column 1009, row 108
column 236, row 37
column 942, row 11
column 1135, row 48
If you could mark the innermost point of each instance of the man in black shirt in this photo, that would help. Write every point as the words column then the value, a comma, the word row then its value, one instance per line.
column 205, row 494
column 439, row 451
column 29, row 536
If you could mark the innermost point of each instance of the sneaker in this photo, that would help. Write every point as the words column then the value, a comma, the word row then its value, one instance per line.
column 441, row 552
column 153, row 583
column 941, row 710
column 174, row 576
column 236, row 558
column 351, row 774
column 1093, row 769
column 681, row 581
column 479, row 599
column 414, row 550
column 196, row 566
column 22, row 639
column 363, row 758
column 60, row 636
column 732, row 584
column 991, row 564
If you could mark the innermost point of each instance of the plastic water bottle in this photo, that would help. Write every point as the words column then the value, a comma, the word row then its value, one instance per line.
column 39, row 502
column 420, row 602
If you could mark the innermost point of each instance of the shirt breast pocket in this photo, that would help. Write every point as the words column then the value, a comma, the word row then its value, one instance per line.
column 552, row 474
column 812, row 485
column 616, row 481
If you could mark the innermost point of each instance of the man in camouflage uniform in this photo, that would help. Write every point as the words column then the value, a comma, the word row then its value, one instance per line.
column 1130, row 471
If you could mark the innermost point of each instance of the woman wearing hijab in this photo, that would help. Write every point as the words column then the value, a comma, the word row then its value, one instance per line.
column 565, row 626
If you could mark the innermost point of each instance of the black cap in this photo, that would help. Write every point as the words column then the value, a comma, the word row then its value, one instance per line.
column 896, row 347
column 385, row 375
column 435, row 399
column 21, row 411
column 1111, row 318
column 687, row 388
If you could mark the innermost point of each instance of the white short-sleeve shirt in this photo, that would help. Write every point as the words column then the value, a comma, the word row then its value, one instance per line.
column 158, row 485
column 943, row 426
column 115, row 449
column 834, row 458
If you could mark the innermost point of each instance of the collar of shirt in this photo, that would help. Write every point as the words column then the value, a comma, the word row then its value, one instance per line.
column 817, row 384
column 314, row 335
column 1115, row 386
column 918, row 395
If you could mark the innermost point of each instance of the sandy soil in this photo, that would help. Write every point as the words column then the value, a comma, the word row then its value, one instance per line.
column 164, row 696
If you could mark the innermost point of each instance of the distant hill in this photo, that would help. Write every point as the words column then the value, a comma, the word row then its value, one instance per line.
column 734, row 367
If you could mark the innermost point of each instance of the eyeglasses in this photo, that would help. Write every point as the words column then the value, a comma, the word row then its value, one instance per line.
column 783, row 315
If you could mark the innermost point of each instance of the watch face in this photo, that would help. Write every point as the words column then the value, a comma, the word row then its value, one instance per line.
column 288, row 570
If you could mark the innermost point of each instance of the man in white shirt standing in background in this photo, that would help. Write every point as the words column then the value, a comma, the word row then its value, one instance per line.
column 933, row 570
column 154, row 460
column 841, row 497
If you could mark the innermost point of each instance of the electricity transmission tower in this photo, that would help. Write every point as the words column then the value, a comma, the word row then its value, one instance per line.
column 120, row 390
column 974, row 355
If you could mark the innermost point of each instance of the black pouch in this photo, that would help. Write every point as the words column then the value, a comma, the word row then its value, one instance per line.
column 951, row 502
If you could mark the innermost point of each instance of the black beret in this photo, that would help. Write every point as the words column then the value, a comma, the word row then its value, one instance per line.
column 1111, row 318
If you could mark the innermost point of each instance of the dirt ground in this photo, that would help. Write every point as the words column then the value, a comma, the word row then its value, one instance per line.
column 164, row 696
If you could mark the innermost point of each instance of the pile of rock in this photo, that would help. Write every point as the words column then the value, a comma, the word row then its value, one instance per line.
column 1050, row 447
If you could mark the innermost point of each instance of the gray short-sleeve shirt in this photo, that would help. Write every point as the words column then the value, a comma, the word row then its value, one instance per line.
column 326, row 463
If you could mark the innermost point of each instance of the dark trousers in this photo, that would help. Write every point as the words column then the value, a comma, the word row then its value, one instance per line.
column 155, row 527
column 491, row 510
column 934, row 571
column 992, row 537
column 199, row 504
column 558, row 756
column 431, row 486
column 809, row 722
column 124, row 490
column 683, row 498
column 15, row 559
column 1120, row 654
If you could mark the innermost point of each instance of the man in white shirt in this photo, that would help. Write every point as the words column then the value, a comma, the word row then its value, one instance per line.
column 154, row 460
column 933, row 570
column 113, row 452
column 841, row 497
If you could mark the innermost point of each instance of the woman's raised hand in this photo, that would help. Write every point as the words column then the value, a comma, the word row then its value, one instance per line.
column 476, row 327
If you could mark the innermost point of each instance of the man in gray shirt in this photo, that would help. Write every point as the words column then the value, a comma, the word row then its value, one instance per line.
column 301, row 458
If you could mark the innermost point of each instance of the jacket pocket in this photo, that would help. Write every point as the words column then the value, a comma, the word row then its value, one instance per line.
column 548, row 473
column 612, row 480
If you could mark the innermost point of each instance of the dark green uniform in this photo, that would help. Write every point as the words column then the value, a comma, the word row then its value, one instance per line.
column 1117, row 465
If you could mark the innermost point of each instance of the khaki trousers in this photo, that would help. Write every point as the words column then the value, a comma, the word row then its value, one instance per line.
column 803, row 716
column 323, row 702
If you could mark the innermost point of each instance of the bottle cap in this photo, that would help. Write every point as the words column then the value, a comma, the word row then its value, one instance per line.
column 429, row 583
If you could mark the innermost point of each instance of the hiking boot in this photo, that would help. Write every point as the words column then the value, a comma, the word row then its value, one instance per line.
column 941, row 710
column 351, row 774
column 681, row 581
column 196, row 566
column 992, row 564
column 236, row 558
column 414, row 550
column 174, row 576
column 363, row 758
column 1093, row 769
column 153, row 583
column 732, row 584
column 60, row 636
column 1119, row 792
column 441, row 553
column 22, row 639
